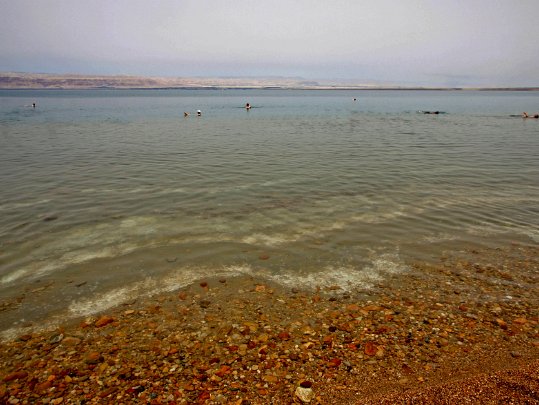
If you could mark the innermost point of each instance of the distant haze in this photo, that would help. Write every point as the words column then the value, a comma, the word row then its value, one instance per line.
column 408, row 42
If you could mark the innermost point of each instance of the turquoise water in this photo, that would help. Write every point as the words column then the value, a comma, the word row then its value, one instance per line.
column 108, row 194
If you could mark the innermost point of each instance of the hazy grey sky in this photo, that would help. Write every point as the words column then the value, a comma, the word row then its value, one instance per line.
column 427, row 42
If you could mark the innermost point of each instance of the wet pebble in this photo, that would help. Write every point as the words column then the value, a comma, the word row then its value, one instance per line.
column 103, row 321
column 71, row 341
column 93, row 358
column 204, row 303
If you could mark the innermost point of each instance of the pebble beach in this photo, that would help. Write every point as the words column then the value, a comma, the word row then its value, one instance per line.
column 462, row 330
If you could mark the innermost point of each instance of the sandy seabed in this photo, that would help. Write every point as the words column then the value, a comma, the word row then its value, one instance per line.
column 463, row 330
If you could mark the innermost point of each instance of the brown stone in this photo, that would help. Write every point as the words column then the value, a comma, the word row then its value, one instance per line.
column 345, row 327
column 16, row 375
column 71, row 341
column 224, row 370
column 370, row 349
column 44, row 386
column 93, row 358
column 284, row 336
column 270, row 378
column 104, row 320
column 107, row 392
column 334, row 363
column 353, row 346
column 501, row 323
column 204, row 396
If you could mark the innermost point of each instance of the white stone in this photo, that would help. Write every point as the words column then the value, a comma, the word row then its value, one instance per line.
column 305, row 394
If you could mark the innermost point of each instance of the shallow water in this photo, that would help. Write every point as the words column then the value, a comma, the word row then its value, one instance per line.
column 106, row 195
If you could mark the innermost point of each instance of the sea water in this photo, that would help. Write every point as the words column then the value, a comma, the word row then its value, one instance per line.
column 107, row 195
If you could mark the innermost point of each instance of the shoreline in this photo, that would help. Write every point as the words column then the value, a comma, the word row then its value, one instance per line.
column 433, row 332
column 44, row 81
column 321, row 88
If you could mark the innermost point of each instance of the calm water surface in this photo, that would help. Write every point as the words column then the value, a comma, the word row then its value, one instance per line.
column 106, row 195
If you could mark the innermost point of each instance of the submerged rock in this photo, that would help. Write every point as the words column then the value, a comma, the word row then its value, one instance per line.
column 204, row 303
column 104, row 320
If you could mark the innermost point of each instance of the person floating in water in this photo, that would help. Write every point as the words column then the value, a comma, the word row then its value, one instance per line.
column 431, row 112
column 247, row 106
column 199, row 113
column 525, row 115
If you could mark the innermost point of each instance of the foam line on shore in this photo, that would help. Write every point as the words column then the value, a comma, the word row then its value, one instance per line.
column 148, row 287
column 340, row 279
column 347, row 278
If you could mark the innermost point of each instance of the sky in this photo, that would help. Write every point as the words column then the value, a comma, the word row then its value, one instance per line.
column 406, row 42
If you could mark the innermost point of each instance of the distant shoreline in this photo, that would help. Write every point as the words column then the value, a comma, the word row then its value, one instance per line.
column 41, row 81
column 275, row 88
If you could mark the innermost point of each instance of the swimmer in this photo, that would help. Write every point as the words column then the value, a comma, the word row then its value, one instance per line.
column 354, row 99
column 431, row 112
column 525, row 115
column 247, row 106
column 34, row 105
column 199, row 113
column 186, row 114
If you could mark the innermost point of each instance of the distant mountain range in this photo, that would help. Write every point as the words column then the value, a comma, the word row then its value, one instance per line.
column 15, row 80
